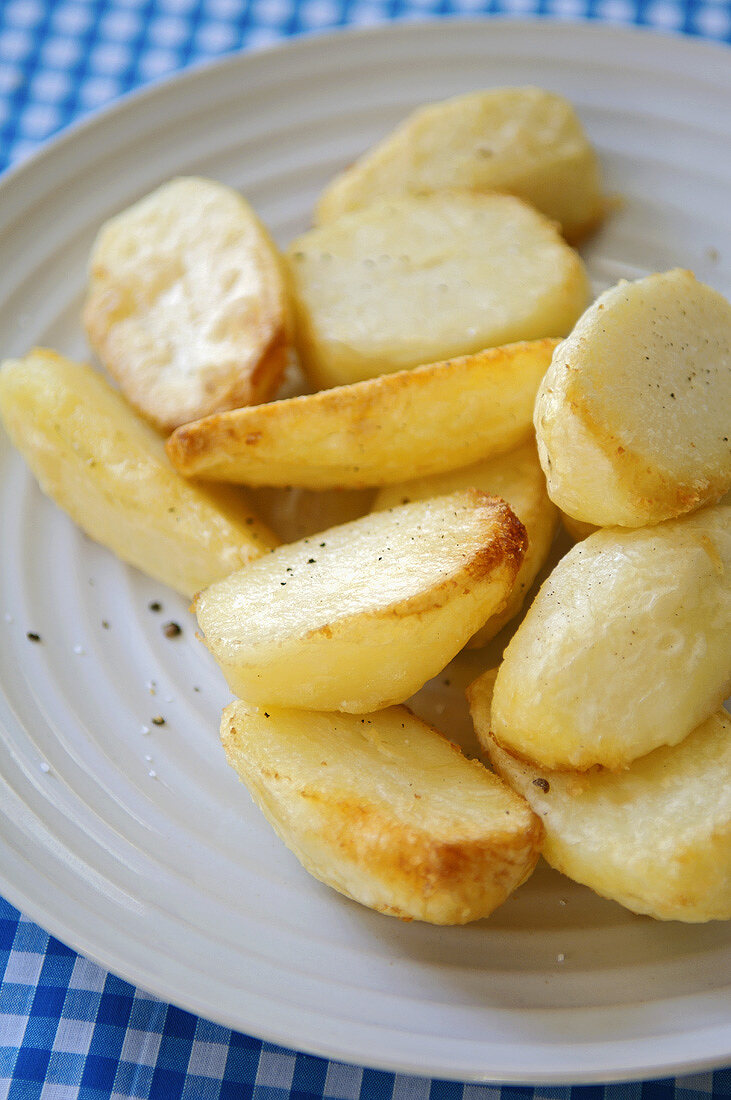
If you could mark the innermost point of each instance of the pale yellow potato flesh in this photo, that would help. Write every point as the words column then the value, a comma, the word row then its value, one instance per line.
column 414, row 280
column 625, row 648
column 108, row 470
column 360, row 616
column 385, row 809
column 518, row 479
column 187, row 305
column 524, row 141
column 633, row 417
column 656, row 837
column 409, row 424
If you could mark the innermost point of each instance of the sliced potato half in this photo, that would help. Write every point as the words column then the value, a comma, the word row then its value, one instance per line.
column 386, row 429
column 517, row 477
column 524, row 141
column 385, row 810
column 187, row 306
column 656, row 837
column 414, row 280
column 633, row 417
column 625, row 648
column 98, row 461
column 362, row 615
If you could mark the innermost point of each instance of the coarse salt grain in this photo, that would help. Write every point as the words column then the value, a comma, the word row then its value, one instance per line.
column 145, row 730
column 45, row 768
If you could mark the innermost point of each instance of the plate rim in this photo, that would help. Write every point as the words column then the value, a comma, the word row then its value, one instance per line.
column 135, row 99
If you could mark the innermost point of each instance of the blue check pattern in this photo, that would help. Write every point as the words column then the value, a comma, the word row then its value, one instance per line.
column 68, row 1029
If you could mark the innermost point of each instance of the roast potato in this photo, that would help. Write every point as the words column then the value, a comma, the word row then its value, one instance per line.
column 414, row 280
column 187, row 305
column 656, row 837
column 517, row 478
column 625, row 648
column 409, row 424
column 98, row 461
column 362, row 615
column 524, row 141
column 385, row 809
column 633, row 417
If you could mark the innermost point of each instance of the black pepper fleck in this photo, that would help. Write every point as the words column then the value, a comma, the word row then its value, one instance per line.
column 543, row 784
column 155, row 606
column 32, row 636
column 172, row 630
column 158, row 720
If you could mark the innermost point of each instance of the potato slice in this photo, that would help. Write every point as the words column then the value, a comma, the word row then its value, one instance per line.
column 186, row 305
column 362, row 615
column 633, row 415
column 104, row 466
column 656, row 837
column 414, row 280
column 385, row 810
column 385, row 429
column 624, row 649
column 523, row 141
column 517, row 477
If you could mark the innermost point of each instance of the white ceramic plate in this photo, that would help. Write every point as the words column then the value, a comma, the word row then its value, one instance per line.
column 174, row 881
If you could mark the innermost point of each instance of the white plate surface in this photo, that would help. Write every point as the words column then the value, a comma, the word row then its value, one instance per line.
column 175, row 882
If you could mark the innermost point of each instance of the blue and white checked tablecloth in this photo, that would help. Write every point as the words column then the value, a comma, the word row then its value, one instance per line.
column 67, row 1028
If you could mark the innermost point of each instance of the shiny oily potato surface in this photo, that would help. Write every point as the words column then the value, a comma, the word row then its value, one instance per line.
column 381, row 430
column 187, row 305
column 656, row 837
column 633, row 417
column 624, row 649
column 524, row 141
column 362, row 615
column 385, row 810
column 518, row 479
column 107, row 469
column 414, row 280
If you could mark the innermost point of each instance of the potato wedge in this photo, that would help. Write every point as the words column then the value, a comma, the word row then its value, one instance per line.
column 517, row 477
column 656, row 837
column 625, row 648
column 98, row 461
column 415, row 280
column 409, row 424
column 187, row 306
column 362, row 615
column 633, row 415
column 385, row 810
column 523, row 141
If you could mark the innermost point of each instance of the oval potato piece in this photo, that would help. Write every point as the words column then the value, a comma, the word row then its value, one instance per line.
column 107, row 469
column 415, row 280
column 524, row 141
column 625, row 647
column 517, row 477
column 656, row 837
column 381, row 430
column 187, row 306
column 633, row 415
column 362, row 615
column 385, row 809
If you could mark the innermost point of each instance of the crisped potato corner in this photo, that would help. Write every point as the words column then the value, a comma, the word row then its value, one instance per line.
column 633, row 417
column 362, row 615
column 517, row 477
column 414, row 280
column 656, row 838
column 187, row 306
column 105, row 467
column 523, row 141
column 385, row 429
column 385, row 810
column 625, row 647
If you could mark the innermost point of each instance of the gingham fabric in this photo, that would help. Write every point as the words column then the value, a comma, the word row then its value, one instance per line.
column 68, row 1029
